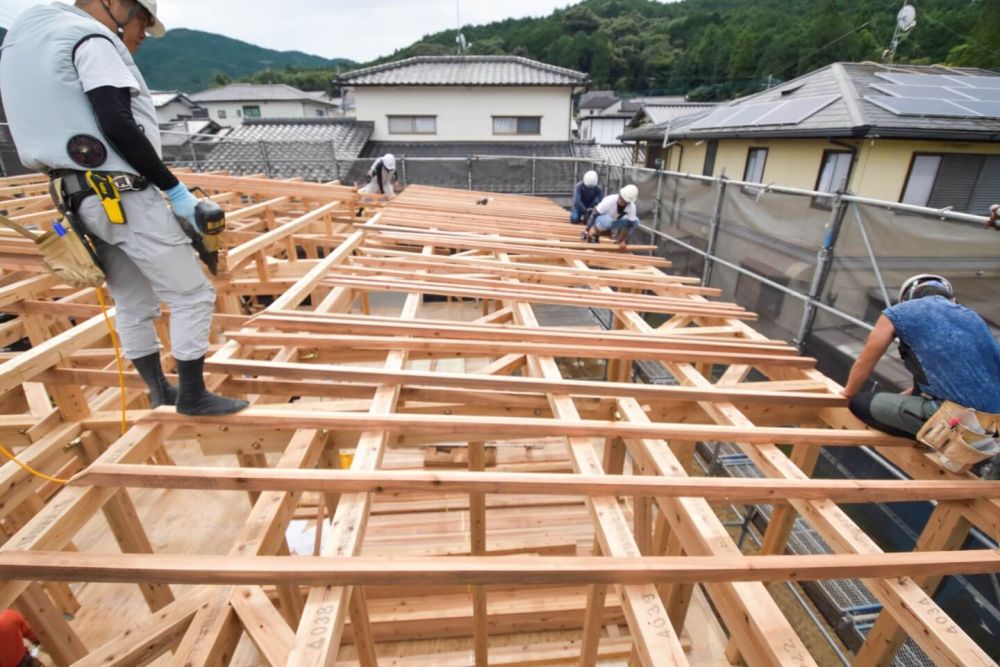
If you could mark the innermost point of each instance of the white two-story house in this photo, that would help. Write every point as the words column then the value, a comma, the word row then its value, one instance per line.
column 462, row 105
column 230, row 105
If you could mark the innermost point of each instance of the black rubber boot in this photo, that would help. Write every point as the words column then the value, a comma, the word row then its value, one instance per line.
column 195, row 400
column 161, row 392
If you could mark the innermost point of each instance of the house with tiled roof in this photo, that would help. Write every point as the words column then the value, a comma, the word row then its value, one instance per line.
column 433, row 105
column 173, row 105
column 922, row 135
column 317, row 149
column 230, row 105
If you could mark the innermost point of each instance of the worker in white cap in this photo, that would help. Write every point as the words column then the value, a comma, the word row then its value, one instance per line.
column 614, row 215
column 79, row 110
column 381, row 177
column 586, row 195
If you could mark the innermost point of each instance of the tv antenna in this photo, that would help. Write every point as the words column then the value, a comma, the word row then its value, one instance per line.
column 463, row 44
column 906, row 20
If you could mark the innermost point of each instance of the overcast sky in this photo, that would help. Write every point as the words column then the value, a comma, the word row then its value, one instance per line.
column 357, row 29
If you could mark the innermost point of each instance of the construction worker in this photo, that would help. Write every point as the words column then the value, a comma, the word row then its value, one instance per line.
column 614, row 215
column 586, row 195
column 947, row 347
column 13, row 631
column 79, row 110
column 381, row 177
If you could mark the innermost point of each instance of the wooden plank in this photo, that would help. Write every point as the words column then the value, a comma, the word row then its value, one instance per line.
column 483, row 570
column 321, row 627
column 146, row 641
column 371, row 376
column 264, row 625
column 526, row 427
column 716, row 489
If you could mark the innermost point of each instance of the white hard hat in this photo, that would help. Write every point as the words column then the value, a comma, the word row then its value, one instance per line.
column 629, row 193
column 157, row 29
column 926, row 284
column 590, row 179
column 389, row 160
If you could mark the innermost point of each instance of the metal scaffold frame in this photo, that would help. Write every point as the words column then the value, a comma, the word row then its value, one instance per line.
column 339, row 387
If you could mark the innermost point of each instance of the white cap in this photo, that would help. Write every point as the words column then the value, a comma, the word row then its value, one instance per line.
column 629, row 193
column 590, row 179
column 157, row 29
column 389, row 160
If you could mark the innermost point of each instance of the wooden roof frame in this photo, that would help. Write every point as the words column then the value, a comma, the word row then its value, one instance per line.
column 296, row 242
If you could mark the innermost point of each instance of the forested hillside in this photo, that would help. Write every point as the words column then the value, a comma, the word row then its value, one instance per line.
column 719, row 48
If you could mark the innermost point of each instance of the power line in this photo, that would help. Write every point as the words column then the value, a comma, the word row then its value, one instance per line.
column 967, row 38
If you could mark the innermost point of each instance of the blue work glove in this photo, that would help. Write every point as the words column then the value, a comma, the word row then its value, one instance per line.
column 183, row 203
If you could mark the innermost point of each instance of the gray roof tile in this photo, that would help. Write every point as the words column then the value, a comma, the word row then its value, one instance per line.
column 850, row 115
column 597, row 99
column 252, row 92
column 320, row 149
column 464, row 71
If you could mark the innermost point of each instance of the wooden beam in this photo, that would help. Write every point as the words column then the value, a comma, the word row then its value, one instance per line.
column 483, row 570
column 716, row 489
column 526, row 427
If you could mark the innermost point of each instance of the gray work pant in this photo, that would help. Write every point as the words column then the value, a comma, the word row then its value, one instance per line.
column 891, row 413
column 148, row 260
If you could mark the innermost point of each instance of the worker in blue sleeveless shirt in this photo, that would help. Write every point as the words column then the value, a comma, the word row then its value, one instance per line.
column 949, row 349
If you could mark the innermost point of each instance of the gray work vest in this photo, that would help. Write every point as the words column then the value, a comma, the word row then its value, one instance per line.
column 48, row 112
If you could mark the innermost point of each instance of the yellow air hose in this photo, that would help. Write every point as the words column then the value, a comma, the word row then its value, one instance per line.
column 121, row 385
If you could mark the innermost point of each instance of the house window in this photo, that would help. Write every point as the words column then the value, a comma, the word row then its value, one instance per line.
column 754, row 171
column 711, row 150
column 321, row 113
column 834, row 171
column 517, row 124
column 222, row 113
column 251, row 111
column 969, row 183
column 412, row 124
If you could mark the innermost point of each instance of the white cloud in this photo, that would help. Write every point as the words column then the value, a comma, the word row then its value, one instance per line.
column 359, row 30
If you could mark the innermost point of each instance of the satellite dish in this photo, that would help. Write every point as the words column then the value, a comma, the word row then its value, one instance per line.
column 906, row 18
column 463, row 45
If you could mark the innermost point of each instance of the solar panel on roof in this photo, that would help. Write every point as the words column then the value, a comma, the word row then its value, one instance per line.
column 778, row 112
column 933, row 92
column 747, row 115
column 924, row 107
column 989, row 109
column 907, row 79
column 794, row 112
column 983, row 94
column 716, row 118
column 977, row 81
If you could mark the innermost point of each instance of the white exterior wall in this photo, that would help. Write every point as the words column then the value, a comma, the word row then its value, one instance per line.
column 604, row 130
column 283, row 109
column 172, row 111
column 466, row 113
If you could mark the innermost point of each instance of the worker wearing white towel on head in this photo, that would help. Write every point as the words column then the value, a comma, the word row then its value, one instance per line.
column 615, row 215
column 381, row 177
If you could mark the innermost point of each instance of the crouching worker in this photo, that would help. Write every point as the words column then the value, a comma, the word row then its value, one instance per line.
column 615, row 216
column 947, row 347
column 381, row 177
column 79, row 111
column 586, row 195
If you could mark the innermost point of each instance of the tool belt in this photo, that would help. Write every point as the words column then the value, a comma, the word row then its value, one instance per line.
column 64, row 254
column 961, row 436
column 75, row 186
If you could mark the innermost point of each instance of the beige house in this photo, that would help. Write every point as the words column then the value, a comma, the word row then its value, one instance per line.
column 923, row 135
